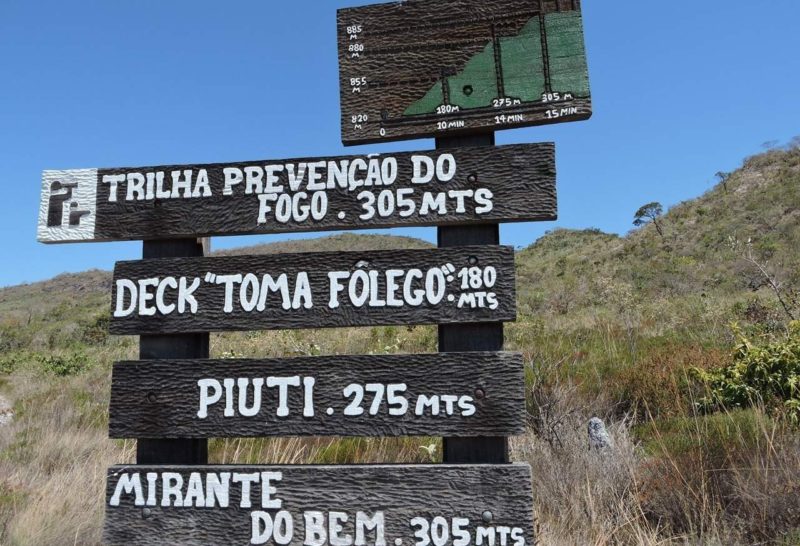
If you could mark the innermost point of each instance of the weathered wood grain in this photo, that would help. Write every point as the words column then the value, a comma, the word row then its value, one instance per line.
column 421, row 68
column 444, row 302
column 494, row 501
column 505, row 184
column 161, row 451
column 164, row 398
column 471, row 337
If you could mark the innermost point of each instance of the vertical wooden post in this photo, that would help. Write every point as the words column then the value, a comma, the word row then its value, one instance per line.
column 471, row 337
column 179, row 452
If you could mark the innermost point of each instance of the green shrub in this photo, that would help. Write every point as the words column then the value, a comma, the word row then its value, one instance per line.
column 96, row 331
column 7, row 366
column 14, row 361
column 64, row 366
column 767, row 374
column 10, row 338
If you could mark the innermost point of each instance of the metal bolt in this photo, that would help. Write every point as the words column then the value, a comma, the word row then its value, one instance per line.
column 473, row 260
column 152, row 398
column 472, row 178
column 487, row 517
column 480, row 394
column 146, row 513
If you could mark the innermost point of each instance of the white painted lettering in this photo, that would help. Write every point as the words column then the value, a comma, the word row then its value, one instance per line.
column 233, row 177
column 127, row 484
column 126, row 291
column 113, row 181
column 210, row 394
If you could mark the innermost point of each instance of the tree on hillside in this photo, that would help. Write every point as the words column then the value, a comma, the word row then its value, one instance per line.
column 649, row 213
column 770, row 145
column 722, row 178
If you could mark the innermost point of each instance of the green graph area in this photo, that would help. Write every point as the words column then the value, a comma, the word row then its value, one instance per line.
column 522, row 65
column 567, row 52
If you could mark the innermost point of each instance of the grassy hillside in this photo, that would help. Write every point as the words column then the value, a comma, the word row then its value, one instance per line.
column 699, row 256
column 610, row 326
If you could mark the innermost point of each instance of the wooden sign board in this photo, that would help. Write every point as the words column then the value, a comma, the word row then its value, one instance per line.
column 447, row 394
column 319, row 506
column 421, row 68
column 459, row 186
column 321, row 290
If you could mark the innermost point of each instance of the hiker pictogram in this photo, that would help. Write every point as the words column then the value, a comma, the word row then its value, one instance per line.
column 60, row 194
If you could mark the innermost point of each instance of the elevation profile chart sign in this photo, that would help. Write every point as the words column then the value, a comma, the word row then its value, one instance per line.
column 422, row 68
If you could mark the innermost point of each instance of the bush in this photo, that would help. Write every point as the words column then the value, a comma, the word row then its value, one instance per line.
column 768, row 374
column 7, row 366
column 658, row 384
column 64, row 366
column 15, row 361
column 96, row 331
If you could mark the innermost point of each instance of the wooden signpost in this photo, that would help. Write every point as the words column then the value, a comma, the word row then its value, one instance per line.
column 469, row 394
column 324, row 290
column 453, row 69
column 422, row 68
column 462, row 186
column 413, row 505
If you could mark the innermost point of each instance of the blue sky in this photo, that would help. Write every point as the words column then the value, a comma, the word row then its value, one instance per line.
column 681, row 90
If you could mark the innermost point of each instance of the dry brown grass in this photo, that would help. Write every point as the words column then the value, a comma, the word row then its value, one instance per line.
column 55, row 454
column 727, row 479
column 677, row 478
column 583, row 496
column 54, row 463
column 734, row 474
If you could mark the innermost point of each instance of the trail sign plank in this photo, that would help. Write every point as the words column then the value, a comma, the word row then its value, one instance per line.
column 421, row 68
column 461, row 186
column 455, row 394
column 320, row 290
column 315, row 506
